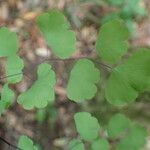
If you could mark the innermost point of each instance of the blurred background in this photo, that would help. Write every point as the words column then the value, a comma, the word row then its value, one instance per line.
column 51, row 128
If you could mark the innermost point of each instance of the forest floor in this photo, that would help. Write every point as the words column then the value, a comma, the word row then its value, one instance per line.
column 19, row 16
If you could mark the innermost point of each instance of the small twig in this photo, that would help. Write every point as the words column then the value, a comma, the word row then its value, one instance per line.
column 56, row 60
column 83, row 57
column 102, row 64
column 12, row 75
column 8, row 143
column 68, row 59
column 9, row 76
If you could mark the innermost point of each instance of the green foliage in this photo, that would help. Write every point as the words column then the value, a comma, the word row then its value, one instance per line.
column 14, row 65
column 87, row 126
column 42, row 91
column 135, row 140
column 111, row 43
column 118, row 91
column 132, row 8
column 47, row 114
column 82, row 81
column 124, row 84
column 26, row 143
column 131, row 27
column 8, row 42
column 109, row 17
column 41, row 115
column 132, row 136
column 57, row 34
column 118, row 125
column 127, row 10
column 76, row 145
column 129, row 79
column 125, row 134
column 100, row 144
column 6, row 100
column 116, row 2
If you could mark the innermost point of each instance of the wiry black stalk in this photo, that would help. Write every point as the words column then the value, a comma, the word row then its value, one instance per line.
column 8, row 143
column 57, row 59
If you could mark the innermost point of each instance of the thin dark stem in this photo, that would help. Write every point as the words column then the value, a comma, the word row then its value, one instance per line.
column 8, row 143
column 63, row 60
column 68, row 59
column 102, row 64
column 12, row 75
column 83, row 57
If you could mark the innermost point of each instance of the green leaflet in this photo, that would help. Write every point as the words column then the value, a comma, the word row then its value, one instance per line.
column 124, row 133
column 8, row 42
column 7, row 96
column 118, row 125
column 14, row 66
column 130, row 135
column 135, row 140
column 76, row 145
column 131, row 9
column 110, row 16
column 129, row 79
column 100, row 144
column 42, row 91
column 111, row 43
column 57, row 34
column 26, row 143
column 87, row 126
column 118, row 91
column 116, row 2
column 83, row 77
column 41, row 115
